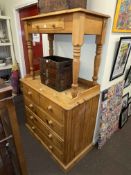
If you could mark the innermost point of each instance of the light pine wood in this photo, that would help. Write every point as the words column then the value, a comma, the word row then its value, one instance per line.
column 31, row 94
column 77, row 40
column 49, row 134
column 30, row 54
column 97, row 62
column 66, row 132
column 99, row 43
column 46, row 118
column 76, row 22
column 52, row 109
column 76, row 67
column 52, row 14
column 46, row 143
column 73, row 111
column 63, row 99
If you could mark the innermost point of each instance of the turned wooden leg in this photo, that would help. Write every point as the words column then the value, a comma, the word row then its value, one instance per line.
column 51, row 39
column 77, row 40
column 30, row 54
column 97, row 63
column 99, row 42
column 76, row 67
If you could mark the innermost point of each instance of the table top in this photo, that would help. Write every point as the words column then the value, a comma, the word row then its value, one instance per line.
column 87, row 12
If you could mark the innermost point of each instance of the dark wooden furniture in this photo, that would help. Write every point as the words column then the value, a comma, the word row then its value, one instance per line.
column 12, row 160
column 64, row 122
column 55, row 5
column 56, row 72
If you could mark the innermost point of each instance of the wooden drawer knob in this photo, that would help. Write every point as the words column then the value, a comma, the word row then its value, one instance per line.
column 50, row 122
column 53, row 26
column 37, row 27
column 50, row 108
column 29, row 93
column 31, row 105
column 31, row 117
column 50, row 147
column 33, row 128
column 50, row 136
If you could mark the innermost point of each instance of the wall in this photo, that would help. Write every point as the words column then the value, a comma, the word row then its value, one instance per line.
column 108, row 7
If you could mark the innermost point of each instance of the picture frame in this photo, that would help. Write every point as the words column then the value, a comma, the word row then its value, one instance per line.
column 105, row 95
column 129, row 109
column 125, row 101
column 129, row 100
column 123, row 117
column 128, row 78
column 121, row 58
column 122, row 20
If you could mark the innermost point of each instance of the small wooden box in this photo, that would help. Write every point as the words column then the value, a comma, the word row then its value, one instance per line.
column 56, row 72
column 46, row 6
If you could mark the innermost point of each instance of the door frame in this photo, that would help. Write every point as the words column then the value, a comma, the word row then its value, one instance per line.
column 21, row 60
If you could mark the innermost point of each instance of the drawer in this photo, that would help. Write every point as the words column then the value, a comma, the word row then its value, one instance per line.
column 31, row 94
column 47, row 143
column 46, row 132
column 52, row 109
column 55, row 24
column 30, row 104
column 50, row 122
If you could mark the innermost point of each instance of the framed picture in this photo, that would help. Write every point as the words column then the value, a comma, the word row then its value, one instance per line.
column 105, row 95
column 128, row 78
column 129, row 100
column 122, row 19
column 129, row 109
column 125, row 101
column 123, row 117
column 121, row 58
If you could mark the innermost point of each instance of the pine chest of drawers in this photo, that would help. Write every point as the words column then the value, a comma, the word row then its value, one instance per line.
column 64, row 121
column 64, row 125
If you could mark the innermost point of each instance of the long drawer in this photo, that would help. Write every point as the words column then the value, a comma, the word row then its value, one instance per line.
column 52, row 109
column 30, row 104
column 50, row 122
column 46, row 142
column 31, row 94
column 50, row 135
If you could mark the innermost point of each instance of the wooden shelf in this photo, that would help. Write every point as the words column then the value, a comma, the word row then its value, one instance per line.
column 4, row 17
column 5, row 44
column 6, row 67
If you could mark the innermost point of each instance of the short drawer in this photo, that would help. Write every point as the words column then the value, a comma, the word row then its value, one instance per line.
column 52, row 109
column 31, row 94
column 50, row 122
column 39, row 135
column 55, row 24
column 45, row 131
column 30, row 104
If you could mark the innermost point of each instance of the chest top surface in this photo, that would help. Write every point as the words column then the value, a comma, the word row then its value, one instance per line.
column 64, row 99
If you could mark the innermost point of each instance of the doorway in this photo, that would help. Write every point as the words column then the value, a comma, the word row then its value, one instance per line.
column 37, row 45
